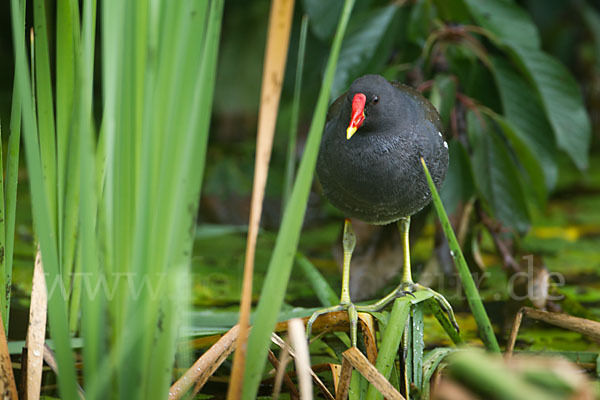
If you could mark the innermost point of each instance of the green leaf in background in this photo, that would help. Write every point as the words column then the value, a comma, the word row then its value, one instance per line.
column 591, row 17
column 458, row 186
column 524, row 112
column 358, row 48
column 452, row 11
column 504, row 18
column 443, row 96
column 496, row 175
column 562, row 101
column 324, row 16
column 532, row 175
column 419, row 23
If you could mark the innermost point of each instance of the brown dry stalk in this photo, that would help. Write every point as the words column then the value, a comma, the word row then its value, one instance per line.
column 8, row 387
column 36, row 333
column 584, row 326
column 280, row 22
column 281, row 375
column 342, row 388
column 205, row 366
column 368, row 329
column 279, row 342
column 368, row 370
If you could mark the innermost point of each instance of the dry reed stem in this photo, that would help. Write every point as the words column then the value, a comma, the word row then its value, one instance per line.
column 36, row 332
column 584, row 326
column 280, row 22
column 296, row 331
column 8, row 386
column 282, row 376
column 205, row 366
column 368, row 370
column 279, row 342
column 50, row 359
column 343, row 386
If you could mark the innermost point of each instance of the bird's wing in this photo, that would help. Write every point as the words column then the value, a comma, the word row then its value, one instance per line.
column 335, row 107
column 430, row 109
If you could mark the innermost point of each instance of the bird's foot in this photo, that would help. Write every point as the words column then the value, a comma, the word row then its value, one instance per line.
column 441, row 300
column 408, row 288
column 345, row 306
column 404, row 289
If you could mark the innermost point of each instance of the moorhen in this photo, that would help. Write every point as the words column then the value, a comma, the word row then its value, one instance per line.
column 369, row 166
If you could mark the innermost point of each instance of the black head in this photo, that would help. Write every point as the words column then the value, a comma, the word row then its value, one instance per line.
column 379, row 101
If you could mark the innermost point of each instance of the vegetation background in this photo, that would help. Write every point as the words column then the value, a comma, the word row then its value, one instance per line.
column 518, row 87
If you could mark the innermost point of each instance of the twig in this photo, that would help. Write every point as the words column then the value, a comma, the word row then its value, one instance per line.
column 205, row 366
column 279, row 342
column 510, row 346
column 507, row 258
column 584, row 326
column 281, row 375
column 280, row 22
column 50, row 359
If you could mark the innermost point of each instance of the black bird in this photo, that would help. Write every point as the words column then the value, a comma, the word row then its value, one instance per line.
column 370, row 168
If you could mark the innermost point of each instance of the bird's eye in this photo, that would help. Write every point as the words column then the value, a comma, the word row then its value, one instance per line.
column 375, row 99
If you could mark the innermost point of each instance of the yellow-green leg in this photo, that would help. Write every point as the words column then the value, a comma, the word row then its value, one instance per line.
column 349, row 242
column 406, row 286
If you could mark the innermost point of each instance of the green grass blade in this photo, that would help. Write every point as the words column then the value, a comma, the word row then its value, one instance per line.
column 45, row 106
column 390, row 342
column 483, row 322
column 66, row 42
column 289, row 233
column 326, row 295
column 291, row 150
column 10, row 191
column 434, row 307
column 93, row 316
column 6, row 298
column 42, row 216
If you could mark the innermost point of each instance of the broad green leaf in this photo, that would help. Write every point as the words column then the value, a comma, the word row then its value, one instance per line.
column 420, row 21
column 458, row 186
column 592, row 19
column 455, row 11
column 496, row 175
column 324, row 16
column 561, row 99
column 364, row 34
column 504, row 18
column 524, row 112
column 532, row 175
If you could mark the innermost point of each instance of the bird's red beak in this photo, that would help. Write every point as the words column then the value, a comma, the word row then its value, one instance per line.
column 358, row 114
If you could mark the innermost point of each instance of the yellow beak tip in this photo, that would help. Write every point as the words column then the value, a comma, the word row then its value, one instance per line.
column 350, row 132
